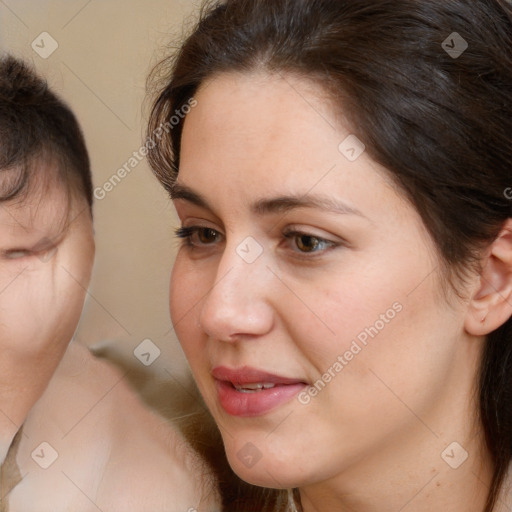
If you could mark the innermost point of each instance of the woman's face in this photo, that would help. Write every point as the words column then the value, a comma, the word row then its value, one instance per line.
column 306, row 293
column 46, row 256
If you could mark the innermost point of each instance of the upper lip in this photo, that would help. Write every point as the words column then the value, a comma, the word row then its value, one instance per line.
column 249, row 375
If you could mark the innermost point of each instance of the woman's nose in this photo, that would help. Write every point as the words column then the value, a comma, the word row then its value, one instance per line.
column 238, row 305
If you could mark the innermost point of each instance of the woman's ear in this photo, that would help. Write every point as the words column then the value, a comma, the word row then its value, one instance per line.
column 491, row 304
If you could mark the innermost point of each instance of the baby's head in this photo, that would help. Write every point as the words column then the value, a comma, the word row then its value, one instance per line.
column 46, row 236
column 37, row 127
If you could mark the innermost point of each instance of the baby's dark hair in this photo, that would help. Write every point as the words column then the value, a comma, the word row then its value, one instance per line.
column 36, row 126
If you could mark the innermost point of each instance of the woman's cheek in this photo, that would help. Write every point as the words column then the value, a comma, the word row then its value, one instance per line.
column 177, row 293
column 186, row 290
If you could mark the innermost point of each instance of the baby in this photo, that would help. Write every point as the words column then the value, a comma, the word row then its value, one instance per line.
column 73, row 436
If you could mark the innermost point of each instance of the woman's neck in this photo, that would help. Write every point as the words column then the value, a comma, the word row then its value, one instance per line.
column 434, row 476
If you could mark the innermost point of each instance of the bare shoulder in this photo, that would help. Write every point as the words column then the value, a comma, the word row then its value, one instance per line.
column 93, row 442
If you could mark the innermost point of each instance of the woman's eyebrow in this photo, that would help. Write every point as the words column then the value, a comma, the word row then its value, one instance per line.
column 280, row 204
column 283, row 204
column 179, row 191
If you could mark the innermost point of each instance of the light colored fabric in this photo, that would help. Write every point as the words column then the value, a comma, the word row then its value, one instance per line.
column 10, row 475
column 292, row 507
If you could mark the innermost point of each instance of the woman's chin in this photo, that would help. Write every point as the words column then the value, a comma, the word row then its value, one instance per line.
column 260, row 468
column 263, row 476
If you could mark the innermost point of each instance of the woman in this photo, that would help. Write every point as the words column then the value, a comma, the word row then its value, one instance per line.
column 73, row 434
column 343, row 291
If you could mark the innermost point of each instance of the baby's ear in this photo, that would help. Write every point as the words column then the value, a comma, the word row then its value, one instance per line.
column 491, row 305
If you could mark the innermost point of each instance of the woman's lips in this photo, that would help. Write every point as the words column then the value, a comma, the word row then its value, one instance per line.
column 248, row 391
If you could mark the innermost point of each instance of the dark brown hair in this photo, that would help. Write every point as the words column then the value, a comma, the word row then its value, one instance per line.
column 441, row 123
column 36, row 126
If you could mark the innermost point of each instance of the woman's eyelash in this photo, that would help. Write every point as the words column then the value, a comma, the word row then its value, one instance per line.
column 304, row 242
column 295, row 234
column 311, row 244
column 199, row 235
column 183, row 232
column 185, row 235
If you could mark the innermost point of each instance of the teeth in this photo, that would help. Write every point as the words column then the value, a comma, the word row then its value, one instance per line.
column 252, row 388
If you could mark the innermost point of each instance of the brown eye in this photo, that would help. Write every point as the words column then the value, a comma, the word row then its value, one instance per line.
column 307, row 243
column 207, row 235
column 197, row 236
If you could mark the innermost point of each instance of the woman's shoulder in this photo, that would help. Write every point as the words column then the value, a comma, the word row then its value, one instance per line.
column 91, row 436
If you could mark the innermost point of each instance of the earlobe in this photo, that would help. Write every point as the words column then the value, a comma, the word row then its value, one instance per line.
column 491, row 304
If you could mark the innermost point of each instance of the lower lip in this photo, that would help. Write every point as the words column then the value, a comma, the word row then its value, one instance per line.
column 238, row 403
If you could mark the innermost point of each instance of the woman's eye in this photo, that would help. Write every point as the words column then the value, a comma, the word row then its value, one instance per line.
column 199, row 235
column 305, row 243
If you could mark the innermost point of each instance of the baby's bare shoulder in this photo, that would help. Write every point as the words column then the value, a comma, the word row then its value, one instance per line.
column 108, row 446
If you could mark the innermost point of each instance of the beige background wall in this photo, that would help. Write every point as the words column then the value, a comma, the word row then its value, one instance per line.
column 105, row 50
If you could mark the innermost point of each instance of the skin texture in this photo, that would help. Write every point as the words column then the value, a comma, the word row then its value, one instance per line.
column 372, row 438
